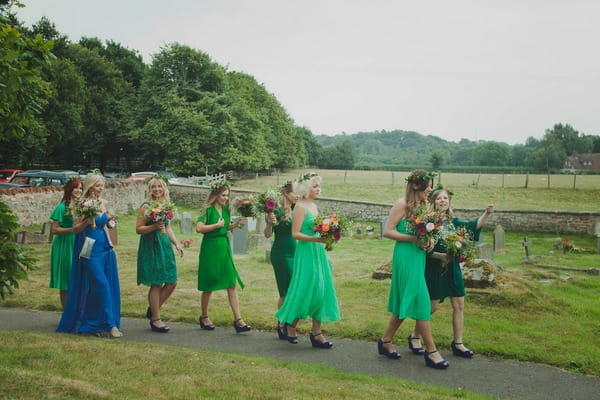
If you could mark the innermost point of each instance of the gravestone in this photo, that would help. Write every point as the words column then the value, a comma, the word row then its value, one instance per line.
column 240, row 239
column 382, row 223
column 113, row 234
column 598, row 234
column 526, row 246
column 47, row 230
column 484, row 251
column 498, row 238
column 185, row 225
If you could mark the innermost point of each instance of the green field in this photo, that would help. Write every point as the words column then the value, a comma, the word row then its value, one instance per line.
column 470, row 190
column 535, row 314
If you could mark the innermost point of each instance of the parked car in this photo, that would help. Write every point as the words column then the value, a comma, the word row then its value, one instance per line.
column 8, row 185
column 40, row 177
column 7, row 174
column 147, row 174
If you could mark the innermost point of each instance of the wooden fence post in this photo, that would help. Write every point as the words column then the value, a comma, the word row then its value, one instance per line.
column 527, row 180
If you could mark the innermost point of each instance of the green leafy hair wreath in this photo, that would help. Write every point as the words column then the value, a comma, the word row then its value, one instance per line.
column 439, row 187
column 307, row 177
column 216, row 186
column 158, row 176
column 420, row 177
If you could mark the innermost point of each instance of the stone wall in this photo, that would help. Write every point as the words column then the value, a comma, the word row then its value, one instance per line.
column 511, row 220
column 34, row 205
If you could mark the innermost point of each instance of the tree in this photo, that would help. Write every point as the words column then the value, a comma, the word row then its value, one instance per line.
column 339, row 156
column 436, row 159
column 491, row 153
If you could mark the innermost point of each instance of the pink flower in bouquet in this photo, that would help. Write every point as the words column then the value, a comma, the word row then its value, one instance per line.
column 331, row 228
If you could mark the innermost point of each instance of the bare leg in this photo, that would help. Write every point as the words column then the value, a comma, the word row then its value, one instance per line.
column 417, row 335
column 424, row 327
column 63, row 297
column 458, row 320
column 291, row 328
column 204, row 300
column 166, row 292
column 280, row 302
column 154, row 301
column 235, row 307
column 388, row 336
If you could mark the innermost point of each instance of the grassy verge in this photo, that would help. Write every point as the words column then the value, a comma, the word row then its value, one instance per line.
column 90, row 368
column 535, row 314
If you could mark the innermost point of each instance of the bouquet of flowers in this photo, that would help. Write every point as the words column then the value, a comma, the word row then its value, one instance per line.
column 160, row 212
column 244, row 205
column 426, row 225
column 266, row 203
column 186, row 243
column 87, row 208
column 331, row 227
column 460, row 244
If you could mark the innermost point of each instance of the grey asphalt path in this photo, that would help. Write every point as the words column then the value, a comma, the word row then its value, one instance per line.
column 504, row 379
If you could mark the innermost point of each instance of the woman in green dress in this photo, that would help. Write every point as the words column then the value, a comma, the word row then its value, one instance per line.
column 279, row 222
column 408, row 291
column 61, row 254
column 444, row 276
column 311, row 292
column 156, row 265
column 216, row 270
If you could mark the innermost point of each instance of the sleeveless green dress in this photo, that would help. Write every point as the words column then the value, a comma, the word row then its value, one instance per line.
column 447, row 281
column 155, row 258
column 61, row 254
column 282, row 252
column 311, row 293
column 409, row 297
column 216, row 270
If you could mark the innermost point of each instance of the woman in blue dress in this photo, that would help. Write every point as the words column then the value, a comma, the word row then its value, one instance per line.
column 94, row 301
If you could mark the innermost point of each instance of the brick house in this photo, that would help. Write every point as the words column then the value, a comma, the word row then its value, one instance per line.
column 583, row 161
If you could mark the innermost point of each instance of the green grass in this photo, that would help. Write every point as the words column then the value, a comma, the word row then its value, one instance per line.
column 377, row 186
column 533, row 315
column 76, row 367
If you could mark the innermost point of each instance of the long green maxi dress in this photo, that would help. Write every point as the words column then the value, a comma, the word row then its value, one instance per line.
column 409, row 297
column 216, row 270
column 155, row 258
column 447, row 281
column 61, row 254
column 311, row 293
column 282, row 252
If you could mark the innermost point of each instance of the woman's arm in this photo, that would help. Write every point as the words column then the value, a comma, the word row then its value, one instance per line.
column 140, row 225
column 80, row 224
column 173, row 239
column 397, row 212
column 297, row 219
column 59, row 230
column 271, row 218
column 488, row 210
column 201, row 227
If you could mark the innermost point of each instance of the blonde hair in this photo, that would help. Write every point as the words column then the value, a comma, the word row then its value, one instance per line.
column 165, row 197
column 433, row 197
column 90, row 180
column 410, row 195
column 302, row 186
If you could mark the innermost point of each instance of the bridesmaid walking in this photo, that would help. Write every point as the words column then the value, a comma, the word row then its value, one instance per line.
column 216, row 270
column 156, row 265
column 311, row 292
column 408, row 292
column 284, row 246
column 61, row 254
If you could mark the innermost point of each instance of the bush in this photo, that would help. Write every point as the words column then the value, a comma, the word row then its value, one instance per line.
column 14, row 263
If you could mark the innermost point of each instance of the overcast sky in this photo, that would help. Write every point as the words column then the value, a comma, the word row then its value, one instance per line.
column 484, row 70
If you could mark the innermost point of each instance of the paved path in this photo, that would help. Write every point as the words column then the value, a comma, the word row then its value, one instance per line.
column 497, row 378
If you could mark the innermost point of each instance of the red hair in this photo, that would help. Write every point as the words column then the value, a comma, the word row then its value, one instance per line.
column 71, row 184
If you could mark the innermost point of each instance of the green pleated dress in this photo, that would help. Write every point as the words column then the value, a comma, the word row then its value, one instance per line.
column 216, row 270
column 282, row 252
column 155, row 258
column 311, row 293
column 447, row 281
column 61, row 254
column 409, row 297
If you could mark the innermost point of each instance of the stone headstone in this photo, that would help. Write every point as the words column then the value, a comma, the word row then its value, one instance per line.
column 484, row 251
column 113, row 234
column 479, row 273
column 240, row 240
column 598, row 234
column 382, row 223
column 251, row 223
column 498, row 238
column 526, row 245
column 47, row 230
column 185, row 225
column 260, row 225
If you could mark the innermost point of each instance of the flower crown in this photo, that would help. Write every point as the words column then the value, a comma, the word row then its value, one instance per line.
column 420, row 177
column 216, row 186
column 439, row 187
column 158, row 176
column 307, row 177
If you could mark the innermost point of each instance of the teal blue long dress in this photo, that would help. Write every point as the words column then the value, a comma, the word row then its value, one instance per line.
column 311, row 293
column 447, row 281
column 282, row 252
column 155, row 258
column 408, row 297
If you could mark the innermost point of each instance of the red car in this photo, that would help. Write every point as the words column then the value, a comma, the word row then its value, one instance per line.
column 7, row 174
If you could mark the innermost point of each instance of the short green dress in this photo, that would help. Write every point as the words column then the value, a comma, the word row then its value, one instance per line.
column 408, row 292
column 282, row 251
column 216, row 270
column 447, row 281
column 155, row 258
column 311, row 292
column 61, row 254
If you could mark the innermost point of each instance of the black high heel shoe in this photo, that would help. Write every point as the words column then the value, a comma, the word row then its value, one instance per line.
column 318, row 344
column 280, row 332
column 208, row 327
column 457, row 352
column 415, row 350
column 161, row 329
column 385, row 352
column 291, row 339
column 432, row 364
column 243, row 328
